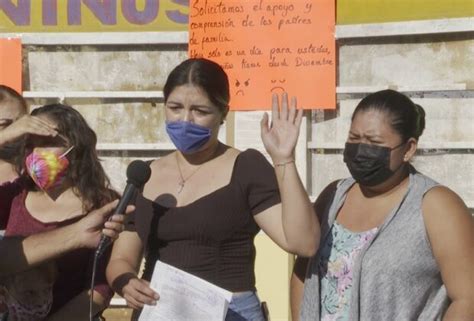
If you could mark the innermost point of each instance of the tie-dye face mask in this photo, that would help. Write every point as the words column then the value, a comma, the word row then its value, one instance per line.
column 47, row 168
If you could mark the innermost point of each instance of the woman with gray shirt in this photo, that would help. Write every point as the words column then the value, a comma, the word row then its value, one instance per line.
column 395, row 245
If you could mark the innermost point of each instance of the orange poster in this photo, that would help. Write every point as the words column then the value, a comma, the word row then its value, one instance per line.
column 269, row 46
column 10, row 63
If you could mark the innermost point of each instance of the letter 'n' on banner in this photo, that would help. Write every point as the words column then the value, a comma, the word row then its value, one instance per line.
column 10, row 63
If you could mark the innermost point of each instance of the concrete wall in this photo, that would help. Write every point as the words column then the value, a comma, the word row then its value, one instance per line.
column 411, row 63
column 110, row 68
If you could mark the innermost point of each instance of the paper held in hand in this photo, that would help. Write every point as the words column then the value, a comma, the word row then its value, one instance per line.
column 185, row 297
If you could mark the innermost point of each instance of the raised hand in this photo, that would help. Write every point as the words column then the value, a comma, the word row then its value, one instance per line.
column 27, row 125
column 280, row 137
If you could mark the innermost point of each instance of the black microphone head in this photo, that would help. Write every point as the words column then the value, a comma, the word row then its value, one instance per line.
column 138, row 173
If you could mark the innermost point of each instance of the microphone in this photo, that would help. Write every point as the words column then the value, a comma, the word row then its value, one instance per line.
column 138, row 173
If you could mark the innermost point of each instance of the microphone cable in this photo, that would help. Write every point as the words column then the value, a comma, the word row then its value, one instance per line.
column 91, row 296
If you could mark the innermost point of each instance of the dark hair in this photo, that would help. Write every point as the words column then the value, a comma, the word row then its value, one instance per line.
column 85, row 172
column 205, row 74
column 10, row 94
column 406, row 117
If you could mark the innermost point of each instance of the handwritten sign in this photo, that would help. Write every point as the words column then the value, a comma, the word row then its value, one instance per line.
column 269, row 46
column 10, row 63
column 93, row 15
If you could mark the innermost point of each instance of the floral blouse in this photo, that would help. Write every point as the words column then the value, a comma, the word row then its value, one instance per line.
column 338, row 255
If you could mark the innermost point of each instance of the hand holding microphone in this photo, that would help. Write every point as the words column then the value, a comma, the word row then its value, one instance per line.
column 91, row 230
column 88, row 231
column 138, row 173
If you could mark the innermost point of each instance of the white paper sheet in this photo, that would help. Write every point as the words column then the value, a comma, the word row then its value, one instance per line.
column 184, row 297
column 247, row 131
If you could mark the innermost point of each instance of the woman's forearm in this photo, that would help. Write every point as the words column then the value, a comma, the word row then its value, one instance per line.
column 300, row 223
column 118, row 273
column 125, row 261
column 297, row 286
column 23, row 253
column 296, row 296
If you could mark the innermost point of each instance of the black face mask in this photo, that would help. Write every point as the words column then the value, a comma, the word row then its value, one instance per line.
column 369, row 164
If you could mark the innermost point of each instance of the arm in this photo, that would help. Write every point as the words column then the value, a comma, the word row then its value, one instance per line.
column 23, row 253
column 301, row 264
column 297, row 286
column 78, row 308
column 293, row 224
column 27, row 125
column 123, row 268
column 450, row 229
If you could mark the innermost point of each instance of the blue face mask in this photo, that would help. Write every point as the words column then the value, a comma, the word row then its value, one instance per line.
column 186, row 136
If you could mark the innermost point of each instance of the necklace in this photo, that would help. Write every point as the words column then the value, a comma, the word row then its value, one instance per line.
column 182, row 179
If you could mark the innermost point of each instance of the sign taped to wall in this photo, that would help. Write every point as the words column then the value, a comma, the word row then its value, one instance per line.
column 269, row 46
column 10, row 63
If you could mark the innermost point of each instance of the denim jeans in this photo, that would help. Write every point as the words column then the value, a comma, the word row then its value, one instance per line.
column 245, row 306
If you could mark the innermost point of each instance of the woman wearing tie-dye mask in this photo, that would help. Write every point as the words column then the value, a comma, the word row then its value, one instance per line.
column 61, row 185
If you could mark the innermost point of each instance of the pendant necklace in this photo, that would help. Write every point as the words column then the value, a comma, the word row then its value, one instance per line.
column 183, row 180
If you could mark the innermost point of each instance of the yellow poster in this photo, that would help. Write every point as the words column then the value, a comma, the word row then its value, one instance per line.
column 378, row 11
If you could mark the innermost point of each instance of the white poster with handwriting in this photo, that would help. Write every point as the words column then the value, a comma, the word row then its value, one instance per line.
column 185, row 297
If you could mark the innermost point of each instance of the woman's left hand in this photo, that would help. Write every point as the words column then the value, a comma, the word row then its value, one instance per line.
column 281, row 136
